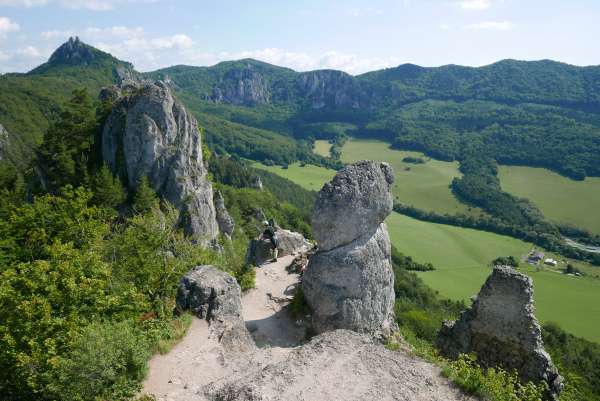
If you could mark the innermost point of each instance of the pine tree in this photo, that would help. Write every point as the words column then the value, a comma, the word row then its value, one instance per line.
column 65, row 152
column 108, row 190
column 145, row 198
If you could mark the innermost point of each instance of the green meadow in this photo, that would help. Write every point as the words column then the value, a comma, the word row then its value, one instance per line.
column 309, row 177
column 426, row 186
column 462, row 259
column 322, row 147
column 560, row 199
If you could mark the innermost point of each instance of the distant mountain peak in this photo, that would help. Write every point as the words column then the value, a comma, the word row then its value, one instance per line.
column 73, row 52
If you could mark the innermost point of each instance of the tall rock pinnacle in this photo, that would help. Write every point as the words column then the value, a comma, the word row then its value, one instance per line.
column 150, row 133
column 349, row 282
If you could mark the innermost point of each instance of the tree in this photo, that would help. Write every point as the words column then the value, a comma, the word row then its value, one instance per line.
column 108, row 190
column 65, row 151
column 145, row 198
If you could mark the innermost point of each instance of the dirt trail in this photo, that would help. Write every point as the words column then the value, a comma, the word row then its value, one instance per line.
column 199, row 360
column 333, row 367
column 268, row 322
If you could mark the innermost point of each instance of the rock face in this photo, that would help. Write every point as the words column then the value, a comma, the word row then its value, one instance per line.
column 501, row 329
column 349, row 282
column 259, row 251
column 244, row 87
column 330, row 88
column 3, row 141
column 150, row 133
column 338, row 365
column 224, row 220
column 73, row 52
column 215, row 296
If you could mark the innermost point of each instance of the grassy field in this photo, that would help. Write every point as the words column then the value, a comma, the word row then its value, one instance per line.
column 309, row 177
column 425, row 186
column 559, row 198
column 462, row 257
column 322, row 147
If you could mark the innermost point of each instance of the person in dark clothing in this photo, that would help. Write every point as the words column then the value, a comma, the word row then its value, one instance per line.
column 271, row 235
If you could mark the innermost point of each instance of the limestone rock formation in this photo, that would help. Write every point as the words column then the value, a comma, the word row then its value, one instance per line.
column 338, row 365
column 330, row 88
column 501, row 329
column 256, row 183
column 74, row 51
column 3, row 141
column 224, row 220
column 244, row 86
column 150, row 133
column 259, row 250
column 215, row 296
column 349, row 282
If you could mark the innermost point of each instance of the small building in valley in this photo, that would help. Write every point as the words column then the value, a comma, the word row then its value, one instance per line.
column 550, row 262
column 535, row 257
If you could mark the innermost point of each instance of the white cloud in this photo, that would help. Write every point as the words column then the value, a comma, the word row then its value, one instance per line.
column 492, row 25
column 359, row 12
column 56, row 34
column 93, row 5
column 6, row 25
column 4, row 56
column 30, row 52
column 475, row 4
column 23, row 3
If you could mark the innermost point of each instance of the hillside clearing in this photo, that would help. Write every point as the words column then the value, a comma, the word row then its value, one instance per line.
column 561, row 199
column 322, row 147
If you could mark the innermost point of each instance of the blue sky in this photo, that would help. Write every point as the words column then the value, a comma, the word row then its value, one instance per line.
column 355, row 36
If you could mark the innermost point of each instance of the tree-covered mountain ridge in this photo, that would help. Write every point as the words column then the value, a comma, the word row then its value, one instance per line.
column 506, row 81
column 537, row 113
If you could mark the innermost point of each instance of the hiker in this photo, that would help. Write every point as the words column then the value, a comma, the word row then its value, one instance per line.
column 270, row 234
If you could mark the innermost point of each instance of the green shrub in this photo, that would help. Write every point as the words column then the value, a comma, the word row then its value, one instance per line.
column 108, row 361
column 247, row 277
column 423, row 324
column 298, row 306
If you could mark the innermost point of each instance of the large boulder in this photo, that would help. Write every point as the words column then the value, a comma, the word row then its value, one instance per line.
column 260, row 250
column 224, row 219
column 215, row 296
column 502, row 330
column 354, row 203
column 349, row 282
column 150, row 133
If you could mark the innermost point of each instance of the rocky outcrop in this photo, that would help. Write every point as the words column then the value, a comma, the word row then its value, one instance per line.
column 501, row 329
column 259, row 250
column 243, row 87
column 3, row 141
column 74, row 52
column 215, row 296
column 349, row 282
column 256, row 183
column 224, row 220
column 330, row 88
column 338, row 365
column 150, row 133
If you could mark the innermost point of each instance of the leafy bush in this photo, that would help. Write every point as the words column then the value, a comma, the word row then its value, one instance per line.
column 107, row 361
column 247, row 277
column 298, row 306
column 491, row 384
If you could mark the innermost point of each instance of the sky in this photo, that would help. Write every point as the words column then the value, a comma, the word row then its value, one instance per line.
column 351, row 35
